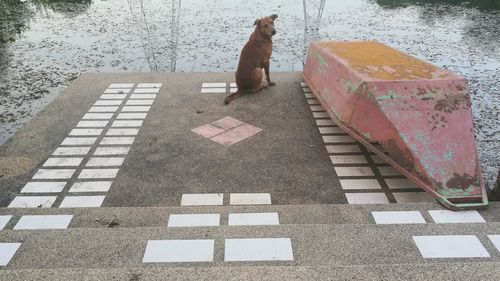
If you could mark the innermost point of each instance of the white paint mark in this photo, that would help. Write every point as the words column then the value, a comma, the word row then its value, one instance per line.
column 54, row 174
column 450, row 246
column 105, row 161
column 111, row 150
column 192, row 220
column 63, row 162
column 398, row 217
column 250, row 199
column 44, row 222
column 366, row 198
column 447, row 216
column 79, row 141
column 207, row 199
column 179, row 251
column 7, row 252
column 32, row 202
column 44, row 187
column 91, row 186
column 258, row 249
column 254, row 219
column 82, row 201
column 98, row 173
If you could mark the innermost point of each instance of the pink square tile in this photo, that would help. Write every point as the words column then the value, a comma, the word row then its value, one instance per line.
column 207, row 130
column 236, row 135
column 227, row 123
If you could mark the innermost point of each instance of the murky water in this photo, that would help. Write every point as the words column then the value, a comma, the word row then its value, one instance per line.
column 45, row 44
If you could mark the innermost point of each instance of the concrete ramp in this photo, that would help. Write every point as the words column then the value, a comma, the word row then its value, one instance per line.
column 419, row 113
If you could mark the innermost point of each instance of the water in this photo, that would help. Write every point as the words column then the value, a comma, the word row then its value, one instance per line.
column 45, row 44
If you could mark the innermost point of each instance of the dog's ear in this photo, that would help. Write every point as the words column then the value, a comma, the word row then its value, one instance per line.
column 274, row 16
column 257, row 22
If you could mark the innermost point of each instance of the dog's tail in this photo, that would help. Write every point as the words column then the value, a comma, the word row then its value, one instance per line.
column 232, row 97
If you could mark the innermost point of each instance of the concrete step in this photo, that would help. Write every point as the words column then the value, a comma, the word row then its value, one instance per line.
column 462, row 271
column 312, row 245
column 288, row 214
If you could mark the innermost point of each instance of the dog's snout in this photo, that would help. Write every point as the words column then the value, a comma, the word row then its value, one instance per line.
column 274, row 32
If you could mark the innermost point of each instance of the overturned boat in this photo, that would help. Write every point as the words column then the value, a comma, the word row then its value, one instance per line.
column 419, row 113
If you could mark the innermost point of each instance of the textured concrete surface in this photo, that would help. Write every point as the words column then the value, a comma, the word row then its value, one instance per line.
column 286, row 159
column 288, row 214
column 312, row 245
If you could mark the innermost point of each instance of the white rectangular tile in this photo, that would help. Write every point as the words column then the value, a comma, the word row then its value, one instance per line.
column 165, row 251
column 360, row 184
column 447, row 216
column 139, row 102
column 44, row 187
column 91, row 186
column 85, row 132
column 63, row 162
column 4, row 220
column 126, row 123
column 98, row 173
column 258, row 249
column 117, row 140
column 313, row 101
column 71, row 151
column 348, row 159
column 149, row 85
column 111, row 150
column 105, row 161
column 136, row 108
column 400, row 184
column 303, row 84
column 366, row 198
column 103, row 109
column 7, row 252
column 409, row 197
column 79, row 141
column 44, row 222
column 117, row 91
column 54, row 174
column 113, row 96
column 81, row 201
column 343, row 148
column 233, row 85
column 109, row 102
column 214, row 85
column 121, row 85
column 93, row 116
column 250, row 199
column 207, row 199
column 131, row 116
column 92, row 124
column 388, row 171
column 450, row 246
column 320, row 115
column 495, row 239
column 122, row 132
column 32, row 202
column 306, row 90
column 213, row 90
column 147, row 91
column 338, row 139
column 353, row 171
column 142, row 96
column 325, row 122
column 254, row 219
column 309, row 96
column 316, row 108
column 192, row 220
column 398, row 217
column 330, row 130
column 233, row 90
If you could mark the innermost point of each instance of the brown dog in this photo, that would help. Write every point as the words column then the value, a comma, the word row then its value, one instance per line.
column 255, row 56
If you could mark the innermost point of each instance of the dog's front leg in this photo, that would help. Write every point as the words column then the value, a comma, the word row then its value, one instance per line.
column 266, row 69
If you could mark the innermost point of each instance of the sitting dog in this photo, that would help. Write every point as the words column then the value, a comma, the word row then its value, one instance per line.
column 255, row 55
